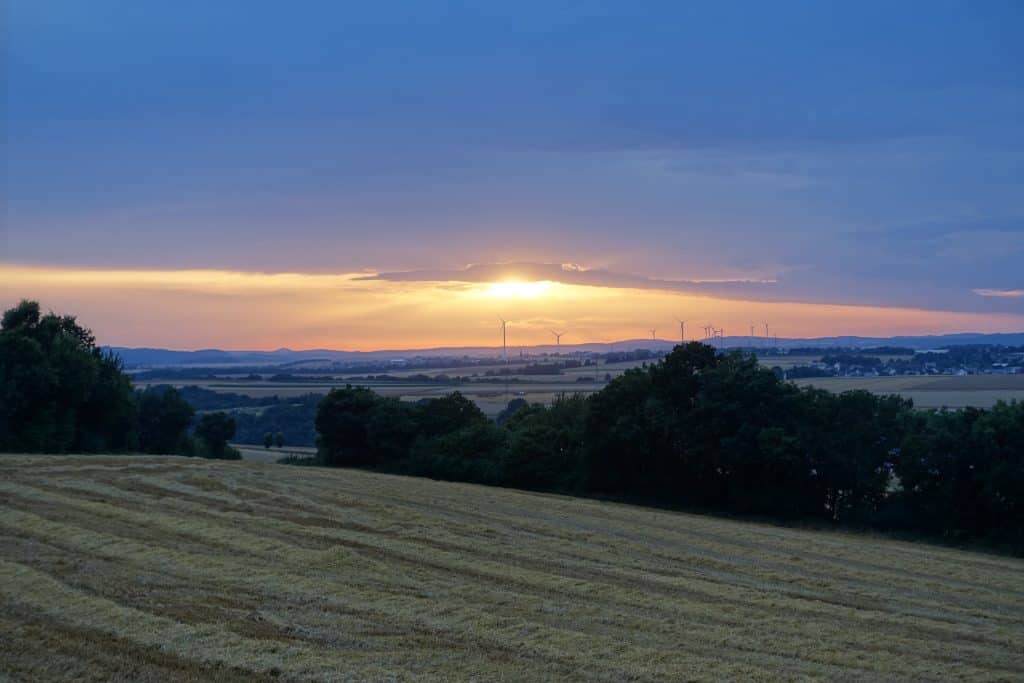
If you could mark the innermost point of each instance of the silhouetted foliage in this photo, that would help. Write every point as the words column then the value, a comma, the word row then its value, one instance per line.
column 59, row 392
column 212, row 434
column 511, row 409
column 962, row 473
column 545, row 445
column 163, row 420
column 713, row 431
column 293, row 418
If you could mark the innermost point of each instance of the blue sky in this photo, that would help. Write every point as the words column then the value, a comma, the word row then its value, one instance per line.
column 859, row 153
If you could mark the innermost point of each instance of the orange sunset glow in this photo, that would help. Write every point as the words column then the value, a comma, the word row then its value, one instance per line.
column 232, row 309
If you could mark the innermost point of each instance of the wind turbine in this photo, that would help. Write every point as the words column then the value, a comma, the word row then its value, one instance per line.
column 653, row 335
column 682, row 331
column 558, row 337
column 504, row 344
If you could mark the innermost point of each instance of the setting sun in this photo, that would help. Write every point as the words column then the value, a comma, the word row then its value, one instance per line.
column 515, row 289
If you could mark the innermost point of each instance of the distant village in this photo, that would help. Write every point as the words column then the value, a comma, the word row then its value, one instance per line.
column 891, row 361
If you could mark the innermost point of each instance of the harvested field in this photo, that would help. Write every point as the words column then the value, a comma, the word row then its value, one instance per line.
column 160, row 568
column 257, row 453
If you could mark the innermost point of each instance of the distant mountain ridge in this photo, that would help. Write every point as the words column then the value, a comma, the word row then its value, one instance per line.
column 141, row 357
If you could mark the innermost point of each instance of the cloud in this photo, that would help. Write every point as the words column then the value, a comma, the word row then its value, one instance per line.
column 574, row 274
column 1000, row 293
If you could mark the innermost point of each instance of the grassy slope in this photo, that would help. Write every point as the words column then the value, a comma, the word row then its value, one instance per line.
column 165, row 569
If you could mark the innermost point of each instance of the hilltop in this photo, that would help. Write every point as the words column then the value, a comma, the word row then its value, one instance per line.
column 161, row 568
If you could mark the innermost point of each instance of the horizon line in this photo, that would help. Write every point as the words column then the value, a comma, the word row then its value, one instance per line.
column 634, row 340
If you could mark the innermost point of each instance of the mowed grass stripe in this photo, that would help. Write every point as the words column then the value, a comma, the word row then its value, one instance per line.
column 292, row 529
column 448, row 567
column 207, row 643
column 458, row 560
column 608, row 518
column 417, row 557
column 384, row 607
column 761, row 624
column 893, row 577
column 778, row 565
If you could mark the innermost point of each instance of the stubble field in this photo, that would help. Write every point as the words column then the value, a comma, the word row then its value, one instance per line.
column 154, row 568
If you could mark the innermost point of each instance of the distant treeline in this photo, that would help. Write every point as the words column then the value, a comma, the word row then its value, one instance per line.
column 292, row 417
column 708, row 431
column 536, row 368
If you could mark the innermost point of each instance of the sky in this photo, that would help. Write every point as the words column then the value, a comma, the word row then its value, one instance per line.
column 389, row 174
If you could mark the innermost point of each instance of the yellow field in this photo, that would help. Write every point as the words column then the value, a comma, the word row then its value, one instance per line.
column 146, row 568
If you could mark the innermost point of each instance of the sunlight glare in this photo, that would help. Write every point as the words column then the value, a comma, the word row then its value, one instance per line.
column 517, row 289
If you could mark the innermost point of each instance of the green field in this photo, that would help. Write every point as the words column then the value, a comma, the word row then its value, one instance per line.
column 160, row 568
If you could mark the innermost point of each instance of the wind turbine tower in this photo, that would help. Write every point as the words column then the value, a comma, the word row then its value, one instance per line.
column 682, row 331
column 504, row 339
column 558, row 337
column 654, row 335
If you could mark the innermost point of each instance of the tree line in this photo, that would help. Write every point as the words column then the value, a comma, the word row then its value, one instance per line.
column 61, row 393
column 704, row 430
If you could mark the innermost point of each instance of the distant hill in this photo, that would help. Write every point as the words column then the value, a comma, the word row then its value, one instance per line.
column 153, row 357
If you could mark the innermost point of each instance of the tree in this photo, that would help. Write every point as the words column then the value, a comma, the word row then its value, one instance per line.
column 474, row 452
column 59, row 392
column 545, row 447
column 341, row 422
column 447, row 414
column 268, row 440
column 163, row 420
column 279, row 439
column 510, row 409
column 961, row 473
column 213, row 433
